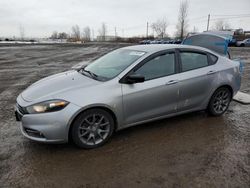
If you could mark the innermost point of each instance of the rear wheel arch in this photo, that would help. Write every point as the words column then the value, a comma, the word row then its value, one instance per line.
column 222, row 86
column 210, row 108
column 211, row 95
column 91, row 108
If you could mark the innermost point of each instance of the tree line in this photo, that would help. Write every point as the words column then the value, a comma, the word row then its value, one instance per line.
column 159, row 27
column 78, row 35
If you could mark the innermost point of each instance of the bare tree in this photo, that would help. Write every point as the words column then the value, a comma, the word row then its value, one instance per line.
column 195, row 30
column 221, row 25
column 103, row 31
column 160, row 27
column 54, row 35
column 86, row 33
column 22, row 32
column 62, row 35
column 182, row 20
column 76, row 34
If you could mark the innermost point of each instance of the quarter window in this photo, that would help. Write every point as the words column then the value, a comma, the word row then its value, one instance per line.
column 159, row 66
column 213, row 58
column 193, row 60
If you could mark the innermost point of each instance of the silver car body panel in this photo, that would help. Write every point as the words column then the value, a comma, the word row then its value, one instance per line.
column 131, row 104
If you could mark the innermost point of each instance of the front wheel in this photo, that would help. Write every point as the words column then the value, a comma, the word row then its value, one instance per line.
column 219, row 101
column 92, row 128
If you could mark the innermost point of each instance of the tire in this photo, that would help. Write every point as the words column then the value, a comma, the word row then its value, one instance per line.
column 92, row 128
column 219, row 101
column 242, row 45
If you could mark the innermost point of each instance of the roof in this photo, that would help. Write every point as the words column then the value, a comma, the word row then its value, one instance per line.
column 151, row 48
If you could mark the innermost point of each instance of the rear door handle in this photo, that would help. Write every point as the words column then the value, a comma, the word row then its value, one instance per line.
column 211, row 72
column 172, row 82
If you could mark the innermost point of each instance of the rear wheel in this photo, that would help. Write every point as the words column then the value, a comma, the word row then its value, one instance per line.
column 220, row 101
column 92, row 128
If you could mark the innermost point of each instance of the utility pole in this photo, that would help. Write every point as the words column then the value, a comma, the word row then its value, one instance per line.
column 147, row 31
column 208, row 20
column 93, row 34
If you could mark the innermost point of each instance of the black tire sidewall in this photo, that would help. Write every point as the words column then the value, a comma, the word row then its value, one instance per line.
column 77, row 122
column 210, row 106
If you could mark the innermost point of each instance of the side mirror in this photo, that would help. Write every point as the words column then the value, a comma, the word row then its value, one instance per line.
column 135, row 78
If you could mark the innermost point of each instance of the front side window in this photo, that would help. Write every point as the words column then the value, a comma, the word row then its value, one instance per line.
column 157, row 67
column 113, row 63
column 193, row 60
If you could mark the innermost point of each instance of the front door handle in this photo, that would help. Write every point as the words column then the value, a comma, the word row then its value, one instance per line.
column 171, row 82
column 211, row 72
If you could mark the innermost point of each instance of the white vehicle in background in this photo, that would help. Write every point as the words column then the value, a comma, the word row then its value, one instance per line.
column 243, row 43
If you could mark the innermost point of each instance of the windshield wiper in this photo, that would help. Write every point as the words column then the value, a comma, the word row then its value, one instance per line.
column 93, row 75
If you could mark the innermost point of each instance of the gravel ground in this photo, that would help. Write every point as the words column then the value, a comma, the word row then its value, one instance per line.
column 192, row 150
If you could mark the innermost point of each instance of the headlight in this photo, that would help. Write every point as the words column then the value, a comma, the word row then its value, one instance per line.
column 47, row 106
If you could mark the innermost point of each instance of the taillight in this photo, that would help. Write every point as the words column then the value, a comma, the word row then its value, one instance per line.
column 241, row 67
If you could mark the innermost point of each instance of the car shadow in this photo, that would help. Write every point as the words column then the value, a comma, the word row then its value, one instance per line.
column 124, row 134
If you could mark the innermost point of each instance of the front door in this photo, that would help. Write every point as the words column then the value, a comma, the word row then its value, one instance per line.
column 155, row 97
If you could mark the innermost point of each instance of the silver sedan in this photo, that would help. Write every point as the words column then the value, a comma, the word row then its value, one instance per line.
column 126, row 87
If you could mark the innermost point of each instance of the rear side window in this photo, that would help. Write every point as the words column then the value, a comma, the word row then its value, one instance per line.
column 160, row 66
column 193, row 60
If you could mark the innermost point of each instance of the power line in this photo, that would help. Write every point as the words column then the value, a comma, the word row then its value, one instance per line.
column 225, row 15
column 229, row 18
column 201, row 19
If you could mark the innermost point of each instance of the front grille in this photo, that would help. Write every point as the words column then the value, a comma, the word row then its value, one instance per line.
column 21, row 109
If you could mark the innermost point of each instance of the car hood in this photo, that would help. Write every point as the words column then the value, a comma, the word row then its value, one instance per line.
column 55, row 84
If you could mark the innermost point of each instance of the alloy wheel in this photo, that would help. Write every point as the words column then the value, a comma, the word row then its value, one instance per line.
column 94, row 129
column 221, row 101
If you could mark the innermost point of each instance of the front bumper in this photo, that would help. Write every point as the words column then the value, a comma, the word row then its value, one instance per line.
column 52, row 127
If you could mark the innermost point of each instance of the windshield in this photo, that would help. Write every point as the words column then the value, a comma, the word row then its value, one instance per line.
column 113, row 63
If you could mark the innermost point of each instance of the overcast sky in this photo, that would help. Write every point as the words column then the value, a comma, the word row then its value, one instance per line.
column 41, row 17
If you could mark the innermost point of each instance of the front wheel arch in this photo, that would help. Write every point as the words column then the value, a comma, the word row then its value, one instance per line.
column 91, row 108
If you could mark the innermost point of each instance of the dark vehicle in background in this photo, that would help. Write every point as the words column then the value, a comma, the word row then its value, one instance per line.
column 161, row 41
column 243, row 43
column 232, row 42
column 144, row 42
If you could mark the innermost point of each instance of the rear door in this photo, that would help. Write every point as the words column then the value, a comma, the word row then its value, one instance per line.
column 195, row 79
column 157, row 95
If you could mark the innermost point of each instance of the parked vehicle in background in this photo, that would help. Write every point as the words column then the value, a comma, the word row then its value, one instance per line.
column 232, row 42
column 161, row 41
column 144, row 42
column 177, row 41
column 243, row 43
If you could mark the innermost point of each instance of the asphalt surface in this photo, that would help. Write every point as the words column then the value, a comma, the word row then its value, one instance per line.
column 192, row 150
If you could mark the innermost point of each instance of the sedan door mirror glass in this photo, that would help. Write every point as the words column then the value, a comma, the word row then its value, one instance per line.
column 135, row 78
